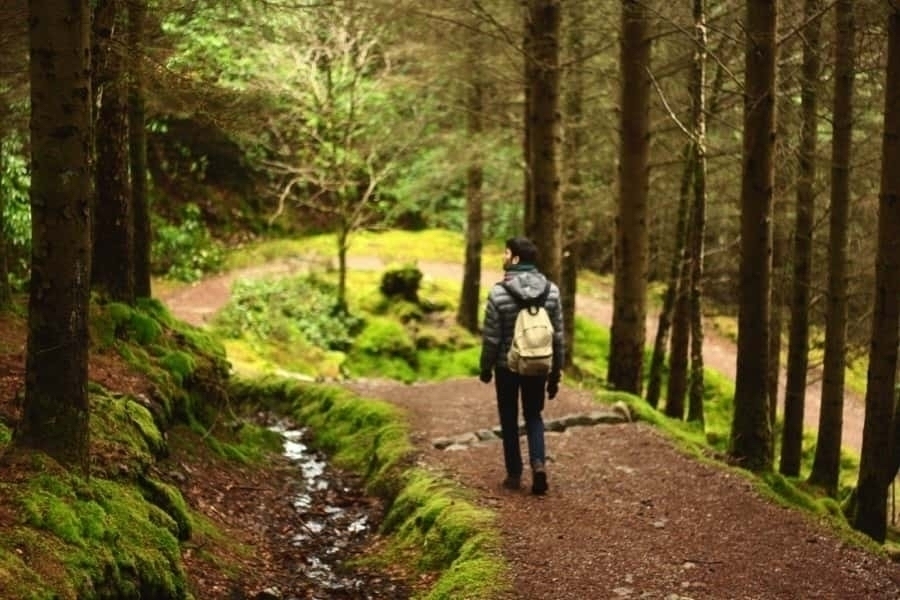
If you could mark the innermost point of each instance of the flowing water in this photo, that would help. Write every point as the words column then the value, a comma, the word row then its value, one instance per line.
column 337, row 521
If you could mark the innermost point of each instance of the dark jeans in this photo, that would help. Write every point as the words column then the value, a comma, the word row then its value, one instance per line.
column 508, row 386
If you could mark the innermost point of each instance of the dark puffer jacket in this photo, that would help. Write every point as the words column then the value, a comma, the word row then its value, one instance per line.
column 525, row 282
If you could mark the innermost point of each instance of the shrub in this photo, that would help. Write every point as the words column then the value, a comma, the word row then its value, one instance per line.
column 185, row 251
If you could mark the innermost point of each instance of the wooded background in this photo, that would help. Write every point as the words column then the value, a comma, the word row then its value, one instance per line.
column 736, row 155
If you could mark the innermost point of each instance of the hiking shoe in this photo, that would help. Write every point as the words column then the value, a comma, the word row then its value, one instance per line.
column 538, row 479
column 512, row 482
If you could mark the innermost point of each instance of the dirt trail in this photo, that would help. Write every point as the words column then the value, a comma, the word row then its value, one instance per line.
column 627, row 515
column 197, row 303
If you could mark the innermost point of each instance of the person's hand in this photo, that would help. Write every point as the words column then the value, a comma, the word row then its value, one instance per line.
column 485, row 376
column 552, row 389
column 553, row 384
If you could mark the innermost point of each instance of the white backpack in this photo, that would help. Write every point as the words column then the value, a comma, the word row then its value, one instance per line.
column 531, row 351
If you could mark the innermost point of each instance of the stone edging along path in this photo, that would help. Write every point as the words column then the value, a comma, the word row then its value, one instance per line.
column 618, row 413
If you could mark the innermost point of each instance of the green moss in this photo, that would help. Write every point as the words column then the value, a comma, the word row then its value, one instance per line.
column 386, row 337
column 439, row 364
column 88, row 540
column 5, row 435
column 429, row 517
column 251, row 444
column 170, row 500
column 122, row 426
column 452, row 535
column 179, row 364
column 117, row 321
column 591, row 351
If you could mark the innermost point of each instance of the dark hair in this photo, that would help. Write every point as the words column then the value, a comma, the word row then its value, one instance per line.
column 523, row 248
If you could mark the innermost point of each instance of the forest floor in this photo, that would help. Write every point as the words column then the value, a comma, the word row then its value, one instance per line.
column 628, row 515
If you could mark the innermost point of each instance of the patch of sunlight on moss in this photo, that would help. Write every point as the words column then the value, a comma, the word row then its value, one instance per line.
column 596, row 285
column 591, row 350
column 269, row 250
column 439, row 365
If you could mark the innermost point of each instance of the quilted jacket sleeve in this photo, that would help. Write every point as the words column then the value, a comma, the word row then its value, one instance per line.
column 490, row 334
column 554, row 309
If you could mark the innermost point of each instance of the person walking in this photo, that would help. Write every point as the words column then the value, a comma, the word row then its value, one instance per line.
column 522, row 286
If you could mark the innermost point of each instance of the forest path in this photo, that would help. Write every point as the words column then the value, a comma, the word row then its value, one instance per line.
column 627, row 515
column 198, row 302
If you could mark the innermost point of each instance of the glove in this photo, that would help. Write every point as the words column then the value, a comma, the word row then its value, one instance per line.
column 553, row 384
column 485, row 376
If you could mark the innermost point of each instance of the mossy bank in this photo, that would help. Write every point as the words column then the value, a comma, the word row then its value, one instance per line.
column 121, row 532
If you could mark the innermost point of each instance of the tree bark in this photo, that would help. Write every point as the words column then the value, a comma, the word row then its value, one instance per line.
column 664, row 324
column 137, row 148
column 780, row 228
column 750, row 443
column 681, row 338
column 574, row 144
column 56, row 411
column 545, row 134
column 528, row 75
column 826, row 463
column 798, row 335
column 630, row 264
column 698, row 216
column 113, row 254
column 878, row 464
column 470, row 299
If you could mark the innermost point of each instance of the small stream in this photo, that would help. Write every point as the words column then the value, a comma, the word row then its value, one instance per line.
column 336, row 521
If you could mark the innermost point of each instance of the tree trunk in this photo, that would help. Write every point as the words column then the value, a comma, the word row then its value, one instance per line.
column 877, row 466
column 573, row 194
column 545, row 135
column 528, row 64
column 630, row 264
column 661, row 341
column 798, row 336
column 698, row 216
column 56, row 410
column 750, row 443
column 137, row 148
column 470, row 299
column 780, row 229
column 343, row 244
column 113, row 255
column 681, row 338
column 826, row 464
